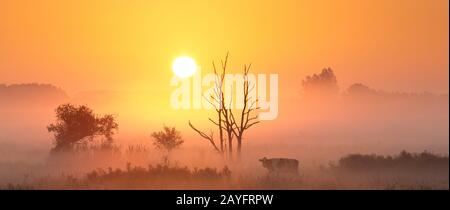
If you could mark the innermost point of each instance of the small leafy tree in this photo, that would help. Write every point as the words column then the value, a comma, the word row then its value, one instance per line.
column 167, row 140
column 77, row 125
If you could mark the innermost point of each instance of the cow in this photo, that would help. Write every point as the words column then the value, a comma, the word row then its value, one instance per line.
column 279, row 166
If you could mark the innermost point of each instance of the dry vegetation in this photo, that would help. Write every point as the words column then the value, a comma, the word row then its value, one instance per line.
column 68, row 171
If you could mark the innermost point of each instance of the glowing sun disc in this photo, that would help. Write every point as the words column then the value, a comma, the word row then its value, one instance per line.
column 184, row 67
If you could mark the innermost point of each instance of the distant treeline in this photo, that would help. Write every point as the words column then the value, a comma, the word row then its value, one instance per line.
column 404, row 161
column 325, row 85
column 25, row 93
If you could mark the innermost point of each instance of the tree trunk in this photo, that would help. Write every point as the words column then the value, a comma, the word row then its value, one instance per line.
column 220, row 131
column 230, row 147
column 239, row 146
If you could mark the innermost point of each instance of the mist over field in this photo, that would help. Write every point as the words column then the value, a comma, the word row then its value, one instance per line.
column 92, row 94
column 323, row 125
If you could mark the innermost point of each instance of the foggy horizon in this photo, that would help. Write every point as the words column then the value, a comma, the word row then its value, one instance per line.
column 204, row 94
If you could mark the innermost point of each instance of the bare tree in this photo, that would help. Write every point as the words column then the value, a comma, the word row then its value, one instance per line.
column 215, row 100
column 209, row 137
column 246, row 118
column 226, row 122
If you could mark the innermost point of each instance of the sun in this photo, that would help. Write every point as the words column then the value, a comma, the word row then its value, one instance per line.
column 184, row 66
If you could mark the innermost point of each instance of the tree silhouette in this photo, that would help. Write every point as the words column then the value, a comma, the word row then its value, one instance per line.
column 245, row 120
column 76, row 126
column 223, row 121
column 167, row 140
column 321, row 85
column 226, row 120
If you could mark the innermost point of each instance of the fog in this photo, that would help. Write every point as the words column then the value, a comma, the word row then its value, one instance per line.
column 317, row 128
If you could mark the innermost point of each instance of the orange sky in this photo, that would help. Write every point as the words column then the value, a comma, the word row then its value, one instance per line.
column 394, row 45
column 126, row 45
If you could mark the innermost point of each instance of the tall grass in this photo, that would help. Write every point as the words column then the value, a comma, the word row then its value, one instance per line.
column 355, row 171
